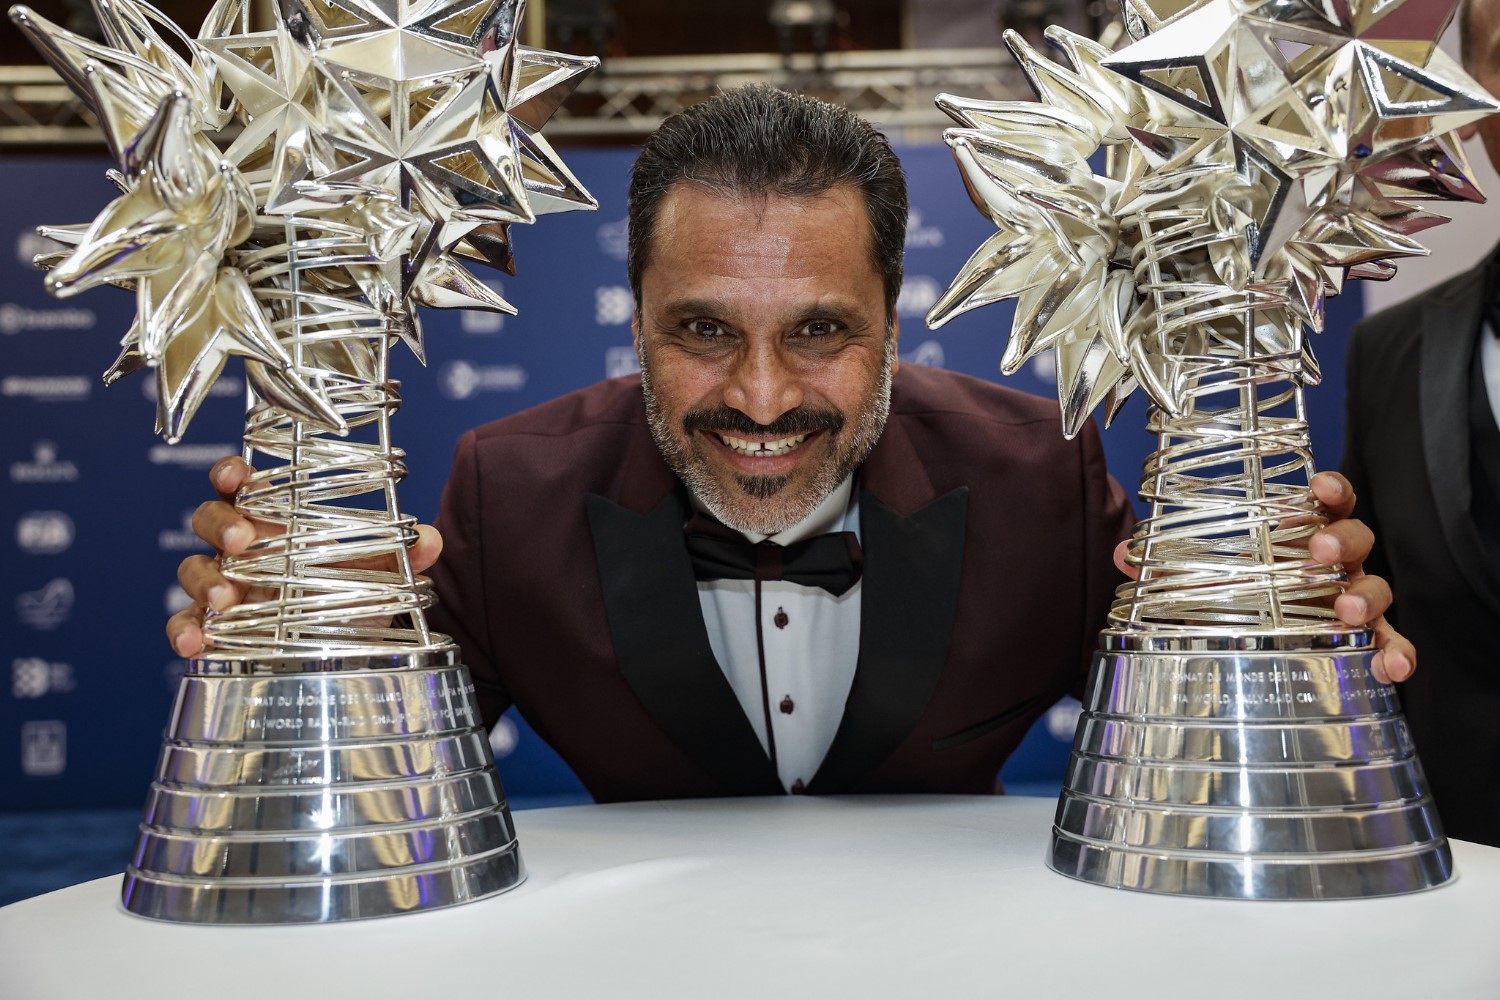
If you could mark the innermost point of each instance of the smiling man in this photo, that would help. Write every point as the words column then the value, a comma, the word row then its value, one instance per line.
column 775, row 564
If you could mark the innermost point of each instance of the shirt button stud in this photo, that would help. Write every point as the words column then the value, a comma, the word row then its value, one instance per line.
column 787, row 705
column 798, row 787
column 781, row 618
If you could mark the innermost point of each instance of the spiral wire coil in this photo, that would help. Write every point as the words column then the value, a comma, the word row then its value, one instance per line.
column 326, row 569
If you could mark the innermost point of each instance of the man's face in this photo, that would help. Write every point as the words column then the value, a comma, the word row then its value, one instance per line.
column 764, row 355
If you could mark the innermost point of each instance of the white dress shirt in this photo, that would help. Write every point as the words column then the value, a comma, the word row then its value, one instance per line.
column 811, row 644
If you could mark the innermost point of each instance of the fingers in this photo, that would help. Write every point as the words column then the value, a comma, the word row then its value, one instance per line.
column 1121, row 552
column 1347, row 541
column 426, row 549
column 1367, row 599
column 228, row 475
column 203, row 580
column 185, row 631
column 1396, row 658
column 223, row 527
column 1333, row 491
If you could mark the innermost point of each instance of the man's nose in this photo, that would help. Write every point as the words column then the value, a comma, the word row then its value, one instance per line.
column 762, row 386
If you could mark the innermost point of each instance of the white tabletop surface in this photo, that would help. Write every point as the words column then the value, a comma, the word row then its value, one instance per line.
column 911, row 897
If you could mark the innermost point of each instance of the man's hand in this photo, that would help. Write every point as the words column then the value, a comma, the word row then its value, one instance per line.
column 1364, row 603
column 231, row 533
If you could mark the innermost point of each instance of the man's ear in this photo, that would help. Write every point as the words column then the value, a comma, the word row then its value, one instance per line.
column 635, row 331
column 895, row 341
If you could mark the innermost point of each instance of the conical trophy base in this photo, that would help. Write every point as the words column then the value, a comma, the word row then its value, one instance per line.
column 304, row 791
column 1253, row 774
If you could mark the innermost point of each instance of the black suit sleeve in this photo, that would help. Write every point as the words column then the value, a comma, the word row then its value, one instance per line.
column 1108, row 518
column 458, row 579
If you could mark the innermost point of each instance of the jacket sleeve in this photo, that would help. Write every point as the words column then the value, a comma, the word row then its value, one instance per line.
column 462, row 611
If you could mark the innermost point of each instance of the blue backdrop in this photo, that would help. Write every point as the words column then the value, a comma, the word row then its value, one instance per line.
column 95, row 508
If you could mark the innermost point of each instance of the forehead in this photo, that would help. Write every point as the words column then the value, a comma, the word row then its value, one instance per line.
column 702, row 232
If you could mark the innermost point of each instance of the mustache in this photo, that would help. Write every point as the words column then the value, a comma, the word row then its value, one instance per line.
column 802, row 420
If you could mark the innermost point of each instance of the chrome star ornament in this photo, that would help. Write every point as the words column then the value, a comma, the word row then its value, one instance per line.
column 1261, row 151
column 1173, row 217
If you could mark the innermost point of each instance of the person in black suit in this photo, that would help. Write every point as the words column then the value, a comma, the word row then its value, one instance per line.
column 589, row 570
column 1422, row 450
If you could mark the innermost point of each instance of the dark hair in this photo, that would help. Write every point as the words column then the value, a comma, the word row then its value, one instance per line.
column 758, row 140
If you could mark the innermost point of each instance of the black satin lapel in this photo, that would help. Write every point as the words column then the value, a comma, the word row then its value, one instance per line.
column 656, row 625
column 1449, row 328
column 907, row 608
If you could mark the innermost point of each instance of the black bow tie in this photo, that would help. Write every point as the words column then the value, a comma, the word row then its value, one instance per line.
column 831, row 561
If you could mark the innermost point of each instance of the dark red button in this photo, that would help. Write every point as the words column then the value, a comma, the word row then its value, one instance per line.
column 798, row 787
column 787, row 705
column 781, row 619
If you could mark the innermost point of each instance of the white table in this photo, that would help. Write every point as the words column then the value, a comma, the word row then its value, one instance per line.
column 911, row 897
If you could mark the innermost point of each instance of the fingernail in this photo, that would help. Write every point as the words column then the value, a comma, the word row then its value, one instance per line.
column 221, row 596
column 1335, row 550
column 237, row 534
column 221, row 475
column 1361, row 610
column 1396, row 667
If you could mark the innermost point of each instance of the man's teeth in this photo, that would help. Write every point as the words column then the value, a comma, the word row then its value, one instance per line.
column 762, row 448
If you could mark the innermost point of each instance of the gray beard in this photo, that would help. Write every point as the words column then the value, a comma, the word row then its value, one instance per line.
column 729, row 508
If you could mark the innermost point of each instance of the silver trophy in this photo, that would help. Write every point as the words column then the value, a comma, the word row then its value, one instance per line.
column 291, row 195
column 1256, row 153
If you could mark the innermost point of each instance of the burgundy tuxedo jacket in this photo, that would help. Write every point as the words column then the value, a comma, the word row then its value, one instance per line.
column 987, row 545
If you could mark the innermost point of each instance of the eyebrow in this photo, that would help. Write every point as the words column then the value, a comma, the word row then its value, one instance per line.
column 834, row 310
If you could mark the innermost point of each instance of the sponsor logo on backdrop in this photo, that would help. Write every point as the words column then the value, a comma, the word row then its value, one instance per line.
column 920, row 236
column 614, row 239
column 928, row 353
column 190, row 456
column 1062, row 719
column 44, row 748
column 620, row 361
column 47, row 608
column 226, row 386
column 464, row 379
column 30, row 244
column 44, row 467
column 175, row 599
column 44, row 532
column 504, row 737
column 1044, row 366
column 18, row 319
column 34, row 677
column 47, row 388
column 613, row 305
column 181, row 539
column 478, row 321
column 918, row 293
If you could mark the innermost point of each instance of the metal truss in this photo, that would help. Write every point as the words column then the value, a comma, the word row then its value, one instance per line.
column 628, row 97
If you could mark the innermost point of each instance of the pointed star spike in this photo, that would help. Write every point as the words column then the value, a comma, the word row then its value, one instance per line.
column 1408, row 29
column 1184, row 62
column 1045, row 314
column 67, row 53
column 1436, row 169
column 489, row 244
column 130, row 360
column 550, row 185
column 547, row 79
column 449, row 285
column 1087, row 372
column 998, row 270
column 1146, row 16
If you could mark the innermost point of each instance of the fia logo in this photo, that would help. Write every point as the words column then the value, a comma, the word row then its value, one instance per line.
column 614, row 239
column 15, row 319
column 504, row 737
column 44, row 467
column 181, row 539
column 620, row 361
column 1062, row 720
column 920, row 236
column 918, row 293
column 47, row 388
column 47, row 608
column 44, row 748
column 463, row 379
column 613, row 305
column 34, row 677
column 44, row 532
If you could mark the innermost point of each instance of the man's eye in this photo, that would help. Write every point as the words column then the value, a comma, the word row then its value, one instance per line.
column 707, row 329
column 819, row 328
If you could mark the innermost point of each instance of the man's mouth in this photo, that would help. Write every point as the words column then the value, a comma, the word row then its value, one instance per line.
column 760, row 449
